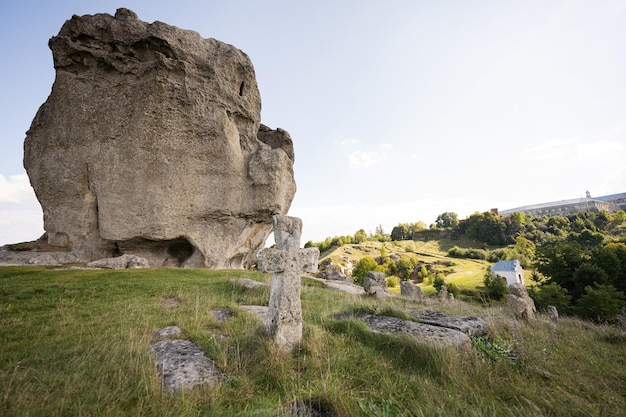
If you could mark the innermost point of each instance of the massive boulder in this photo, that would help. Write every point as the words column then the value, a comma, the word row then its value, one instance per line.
column 150, row 144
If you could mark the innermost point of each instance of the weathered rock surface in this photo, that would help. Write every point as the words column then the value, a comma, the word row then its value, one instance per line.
column 248, row 283
column 286, row 261
column 423, row 333
column 184, row 365
column 470, row 325
column 150, row 144
column 120, row 262
column 519, row 304
column 14, row 258
column 375, row 284
column 410, row 290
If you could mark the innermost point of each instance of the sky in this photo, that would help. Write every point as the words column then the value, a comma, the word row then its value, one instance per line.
column 399, row 110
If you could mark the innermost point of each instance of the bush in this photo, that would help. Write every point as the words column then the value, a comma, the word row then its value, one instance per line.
column 438, row 282
column 495, row 285
column 471, row 253
column 393, row 281
column 550, row 295
column 453, row 289
column 601, row 303
column 364, row 265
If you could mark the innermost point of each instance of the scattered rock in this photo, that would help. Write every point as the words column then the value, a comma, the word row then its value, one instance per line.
column 261, row 312
column 519, row 304
column 183, row 365
column 150, row 144
column 423, row 333
column 445, row 296
column 470, row 325
column 223, row 314
column 307, row 408
column 409, row 289
column 553, row 313
column 166, row 332
column 375, row 284
column 120, row 262
column 336, row 276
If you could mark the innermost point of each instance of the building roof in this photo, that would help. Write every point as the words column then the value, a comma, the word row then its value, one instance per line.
column 506, row 265
column 552, row 204
column 611, row 197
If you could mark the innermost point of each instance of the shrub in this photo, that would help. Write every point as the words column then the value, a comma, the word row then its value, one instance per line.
column 364, row 265
column 393, row 281
column 438, row 282
column 601, row 303
column 471, row 253
column 550, row 295
column 495, row 285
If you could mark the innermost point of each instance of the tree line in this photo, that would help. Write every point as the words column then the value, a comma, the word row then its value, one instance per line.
column 579, row 260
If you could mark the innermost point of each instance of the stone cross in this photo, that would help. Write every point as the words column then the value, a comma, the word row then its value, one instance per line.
column 286, row 261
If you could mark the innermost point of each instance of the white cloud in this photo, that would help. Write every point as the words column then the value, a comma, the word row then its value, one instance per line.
column 16, row 189
column 348, row 142
column 367, row 159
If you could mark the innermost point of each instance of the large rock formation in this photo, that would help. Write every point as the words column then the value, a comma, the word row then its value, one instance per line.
column 151, row 144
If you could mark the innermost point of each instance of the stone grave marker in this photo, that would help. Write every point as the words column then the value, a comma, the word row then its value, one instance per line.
column 286, row 261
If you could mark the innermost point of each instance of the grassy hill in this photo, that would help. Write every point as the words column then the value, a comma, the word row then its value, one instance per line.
column 75, row 342
column 464, row 273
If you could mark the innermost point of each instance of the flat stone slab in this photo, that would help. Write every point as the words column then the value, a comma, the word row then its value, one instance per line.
column 183, row 365
column 262, row 312
column 166, row 332
column 19, row 258
column 470, row 325
column 247, row 283
column 423, row 333
column 345, row 287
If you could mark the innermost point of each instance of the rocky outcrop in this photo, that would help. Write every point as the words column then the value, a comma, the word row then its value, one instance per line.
column 470, row 325
column 410, row 290
column 150, row 144
column 519, row 304
column 423, row 333
column 120, row 262
column 375, row 284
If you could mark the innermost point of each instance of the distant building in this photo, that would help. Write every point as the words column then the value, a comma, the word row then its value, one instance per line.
column 609, row 203
column 619, row 199
column 510, row 270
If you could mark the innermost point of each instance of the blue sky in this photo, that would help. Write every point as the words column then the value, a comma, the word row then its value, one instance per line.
column 399, row 110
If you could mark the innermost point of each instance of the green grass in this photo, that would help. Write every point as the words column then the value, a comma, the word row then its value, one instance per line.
column 76, row 342
column 465, row 273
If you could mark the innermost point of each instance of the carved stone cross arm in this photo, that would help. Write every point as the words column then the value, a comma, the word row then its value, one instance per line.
column 277, row 260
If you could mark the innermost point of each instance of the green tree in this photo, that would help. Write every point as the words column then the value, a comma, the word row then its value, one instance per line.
column 551, row 294
column 359, row 236
column 401, row 232
column 405, row 267
column 601, row 303
column 447, row 220
column 365, row 265
column 588, row 274
column 495, row 284
column 486, row 227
